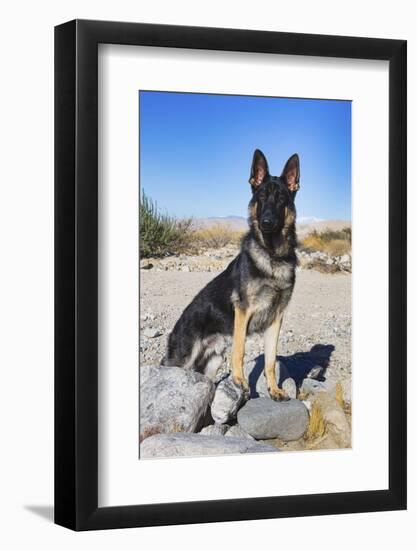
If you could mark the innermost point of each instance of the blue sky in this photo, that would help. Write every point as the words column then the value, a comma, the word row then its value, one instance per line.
column 196, row 151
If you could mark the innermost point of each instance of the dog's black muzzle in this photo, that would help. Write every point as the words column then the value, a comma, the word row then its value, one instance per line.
column 268, row 225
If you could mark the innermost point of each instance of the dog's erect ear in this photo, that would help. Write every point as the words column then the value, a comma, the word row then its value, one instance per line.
column 259, row 169
column 291, row 174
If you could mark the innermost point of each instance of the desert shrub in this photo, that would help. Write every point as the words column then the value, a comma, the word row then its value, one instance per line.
column 344, row 234
column 312, row 242
column 216, row 236
column 333, row 243
column 337, row 247
column 159, row 233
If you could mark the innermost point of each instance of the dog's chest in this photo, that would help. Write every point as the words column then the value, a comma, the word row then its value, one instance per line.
column 264, row 296
column 261, row 295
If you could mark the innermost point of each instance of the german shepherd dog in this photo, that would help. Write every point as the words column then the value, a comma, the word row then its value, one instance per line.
column 251, row 294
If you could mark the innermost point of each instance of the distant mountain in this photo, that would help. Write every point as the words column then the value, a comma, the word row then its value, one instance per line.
column 236, row 223
column 308, row 219
column 226, row 218
column 303, row 229
column 305, row 225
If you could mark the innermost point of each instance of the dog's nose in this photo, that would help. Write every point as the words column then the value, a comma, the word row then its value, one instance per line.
column 267, row 223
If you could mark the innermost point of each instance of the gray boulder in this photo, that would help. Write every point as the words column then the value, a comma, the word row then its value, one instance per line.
column 227, row 400
column 188, row 444
column 172, row 399
column 264, row 418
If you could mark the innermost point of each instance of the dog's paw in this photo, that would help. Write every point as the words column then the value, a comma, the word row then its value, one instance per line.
column 243, row 385
column 278, row 395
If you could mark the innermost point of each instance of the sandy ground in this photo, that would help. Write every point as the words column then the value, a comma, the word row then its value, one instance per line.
column 316, row 328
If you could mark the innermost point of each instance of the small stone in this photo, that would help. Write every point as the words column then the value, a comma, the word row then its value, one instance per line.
column 290, row 388
column 152, row 332
column 313, row 386
column 237, row 431
column 316, row 372
column 215, row 429
column 264, row 418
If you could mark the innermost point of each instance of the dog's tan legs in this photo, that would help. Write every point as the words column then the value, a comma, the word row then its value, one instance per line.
column 271, row 336
column 241, row 321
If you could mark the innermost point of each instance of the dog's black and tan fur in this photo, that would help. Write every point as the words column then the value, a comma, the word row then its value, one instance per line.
column 251, row 294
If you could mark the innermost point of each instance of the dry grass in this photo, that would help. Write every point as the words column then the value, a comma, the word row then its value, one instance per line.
column 337, row 247
column 339, row 395
column 216, row 236
column 332, row 247
column 317, row 425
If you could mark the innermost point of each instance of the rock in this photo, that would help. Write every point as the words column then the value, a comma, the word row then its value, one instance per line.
column 236, row 431
column 227, row 400
column 188, row 444
column 311, row 386
column 264, row 418
column 144, row 345
column 345, row 259
column 290, row 388
column 172, row 399
column 152, row 332
column 316, row 372
column 337, row 425
column 146, row 372
column 308, row 404
column 215, row 429
column 335, row 385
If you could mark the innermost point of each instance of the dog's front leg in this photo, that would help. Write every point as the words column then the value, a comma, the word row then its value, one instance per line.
column 271, row 336
column 240, row 327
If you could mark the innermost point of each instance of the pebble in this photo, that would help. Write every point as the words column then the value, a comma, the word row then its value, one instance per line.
column 152, row 332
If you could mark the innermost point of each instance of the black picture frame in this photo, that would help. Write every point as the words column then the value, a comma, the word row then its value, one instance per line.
column 76, row 272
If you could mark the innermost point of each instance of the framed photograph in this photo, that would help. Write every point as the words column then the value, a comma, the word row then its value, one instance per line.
column 230, row 252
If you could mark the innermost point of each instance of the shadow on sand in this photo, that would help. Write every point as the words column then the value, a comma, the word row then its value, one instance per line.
column 298, row 366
